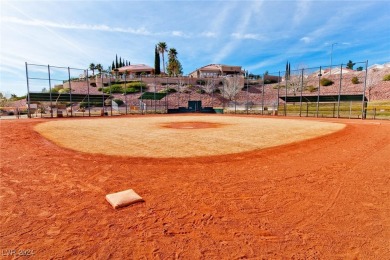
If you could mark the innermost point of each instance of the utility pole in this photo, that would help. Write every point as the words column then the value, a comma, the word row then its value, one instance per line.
column 331, row 58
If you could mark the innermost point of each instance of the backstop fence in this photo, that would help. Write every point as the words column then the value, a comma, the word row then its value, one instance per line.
column 329, row 91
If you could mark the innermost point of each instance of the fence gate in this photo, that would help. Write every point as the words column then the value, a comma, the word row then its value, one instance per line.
column 194, row 106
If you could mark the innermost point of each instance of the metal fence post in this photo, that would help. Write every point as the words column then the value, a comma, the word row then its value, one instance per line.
column 70, row 94
column 28, row 93
column 285, row 101
column 338, row 99
column 300, row 98
column 364, row 103
column 51, row 101
column 262, row 95
column 277, row 101
column 319, row 90
column 89, row 105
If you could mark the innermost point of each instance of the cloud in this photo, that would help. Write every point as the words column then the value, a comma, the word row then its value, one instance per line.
column 208, row 34
column 50, row 24
column 306, row 39
column 248, row 36
column 301, row 12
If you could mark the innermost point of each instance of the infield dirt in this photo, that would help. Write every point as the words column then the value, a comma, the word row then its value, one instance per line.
column 325, row 198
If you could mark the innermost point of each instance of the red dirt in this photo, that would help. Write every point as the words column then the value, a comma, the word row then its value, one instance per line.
column 326, row 198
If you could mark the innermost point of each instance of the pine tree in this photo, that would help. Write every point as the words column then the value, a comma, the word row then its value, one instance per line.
column 116, row 61
column 120, row 62
column 113, row 65
column 157, row 69
column 289, row 70
column 286, row 73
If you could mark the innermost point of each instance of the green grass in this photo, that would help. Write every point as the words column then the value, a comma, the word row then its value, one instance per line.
column 375, row 109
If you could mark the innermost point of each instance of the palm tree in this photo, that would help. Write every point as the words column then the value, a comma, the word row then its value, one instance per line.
column 99, row 67
column 162, row 48
column 92, row 67
column 172, row 54
column 174, row 66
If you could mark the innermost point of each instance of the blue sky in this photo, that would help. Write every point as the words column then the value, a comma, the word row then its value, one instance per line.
column 257, row 35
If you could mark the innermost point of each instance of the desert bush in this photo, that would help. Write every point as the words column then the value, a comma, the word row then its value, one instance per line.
column 133, row 89
column 270, row 81
column 201, row 82
column 326, row 82
column 217, row 91
column 311, row 88
column 115, row 88
column 355, row 80
column 136, row 84
column 169, row 90
column 386, row 77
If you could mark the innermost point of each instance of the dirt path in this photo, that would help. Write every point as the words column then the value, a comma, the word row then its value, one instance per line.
column 325, row 198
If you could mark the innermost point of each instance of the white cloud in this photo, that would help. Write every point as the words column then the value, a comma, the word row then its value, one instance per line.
column 248, row 36
column 208, row 34
column 50, row 24
column 301, row 12
column 306, row 39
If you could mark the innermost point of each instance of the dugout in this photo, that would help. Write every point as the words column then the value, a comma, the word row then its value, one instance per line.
column 351, row 105
column 63, row 100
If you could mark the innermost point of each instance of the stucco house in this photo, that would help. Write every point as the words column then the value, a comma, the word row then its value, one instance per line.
column 217, row 70
column 136, row 69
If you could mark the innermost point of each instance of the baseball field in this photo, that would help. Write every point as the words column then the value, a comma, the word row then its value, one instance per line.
column 214, row 187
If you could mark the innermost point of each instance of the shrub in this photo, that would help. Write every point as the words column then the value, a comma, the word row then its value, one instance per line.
column 134, row 87
column 270, row 81
column 386, row 77
column 355, row 80
column 200, row 91
column 311, row 88
column 326, row 82
column 100, row 89
column 132, row 90
column 201, row 82
column 217, row 91
column 136, row 84
column 115, row 88
column 169, row 90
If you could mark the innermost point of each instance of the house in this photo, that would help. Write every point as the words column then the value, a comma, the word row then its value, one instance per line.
column 217, row 70
column 135, row 70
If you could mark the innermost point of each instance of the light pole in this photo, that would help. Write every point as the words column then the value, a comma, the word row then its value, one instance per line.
column 331, row 58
